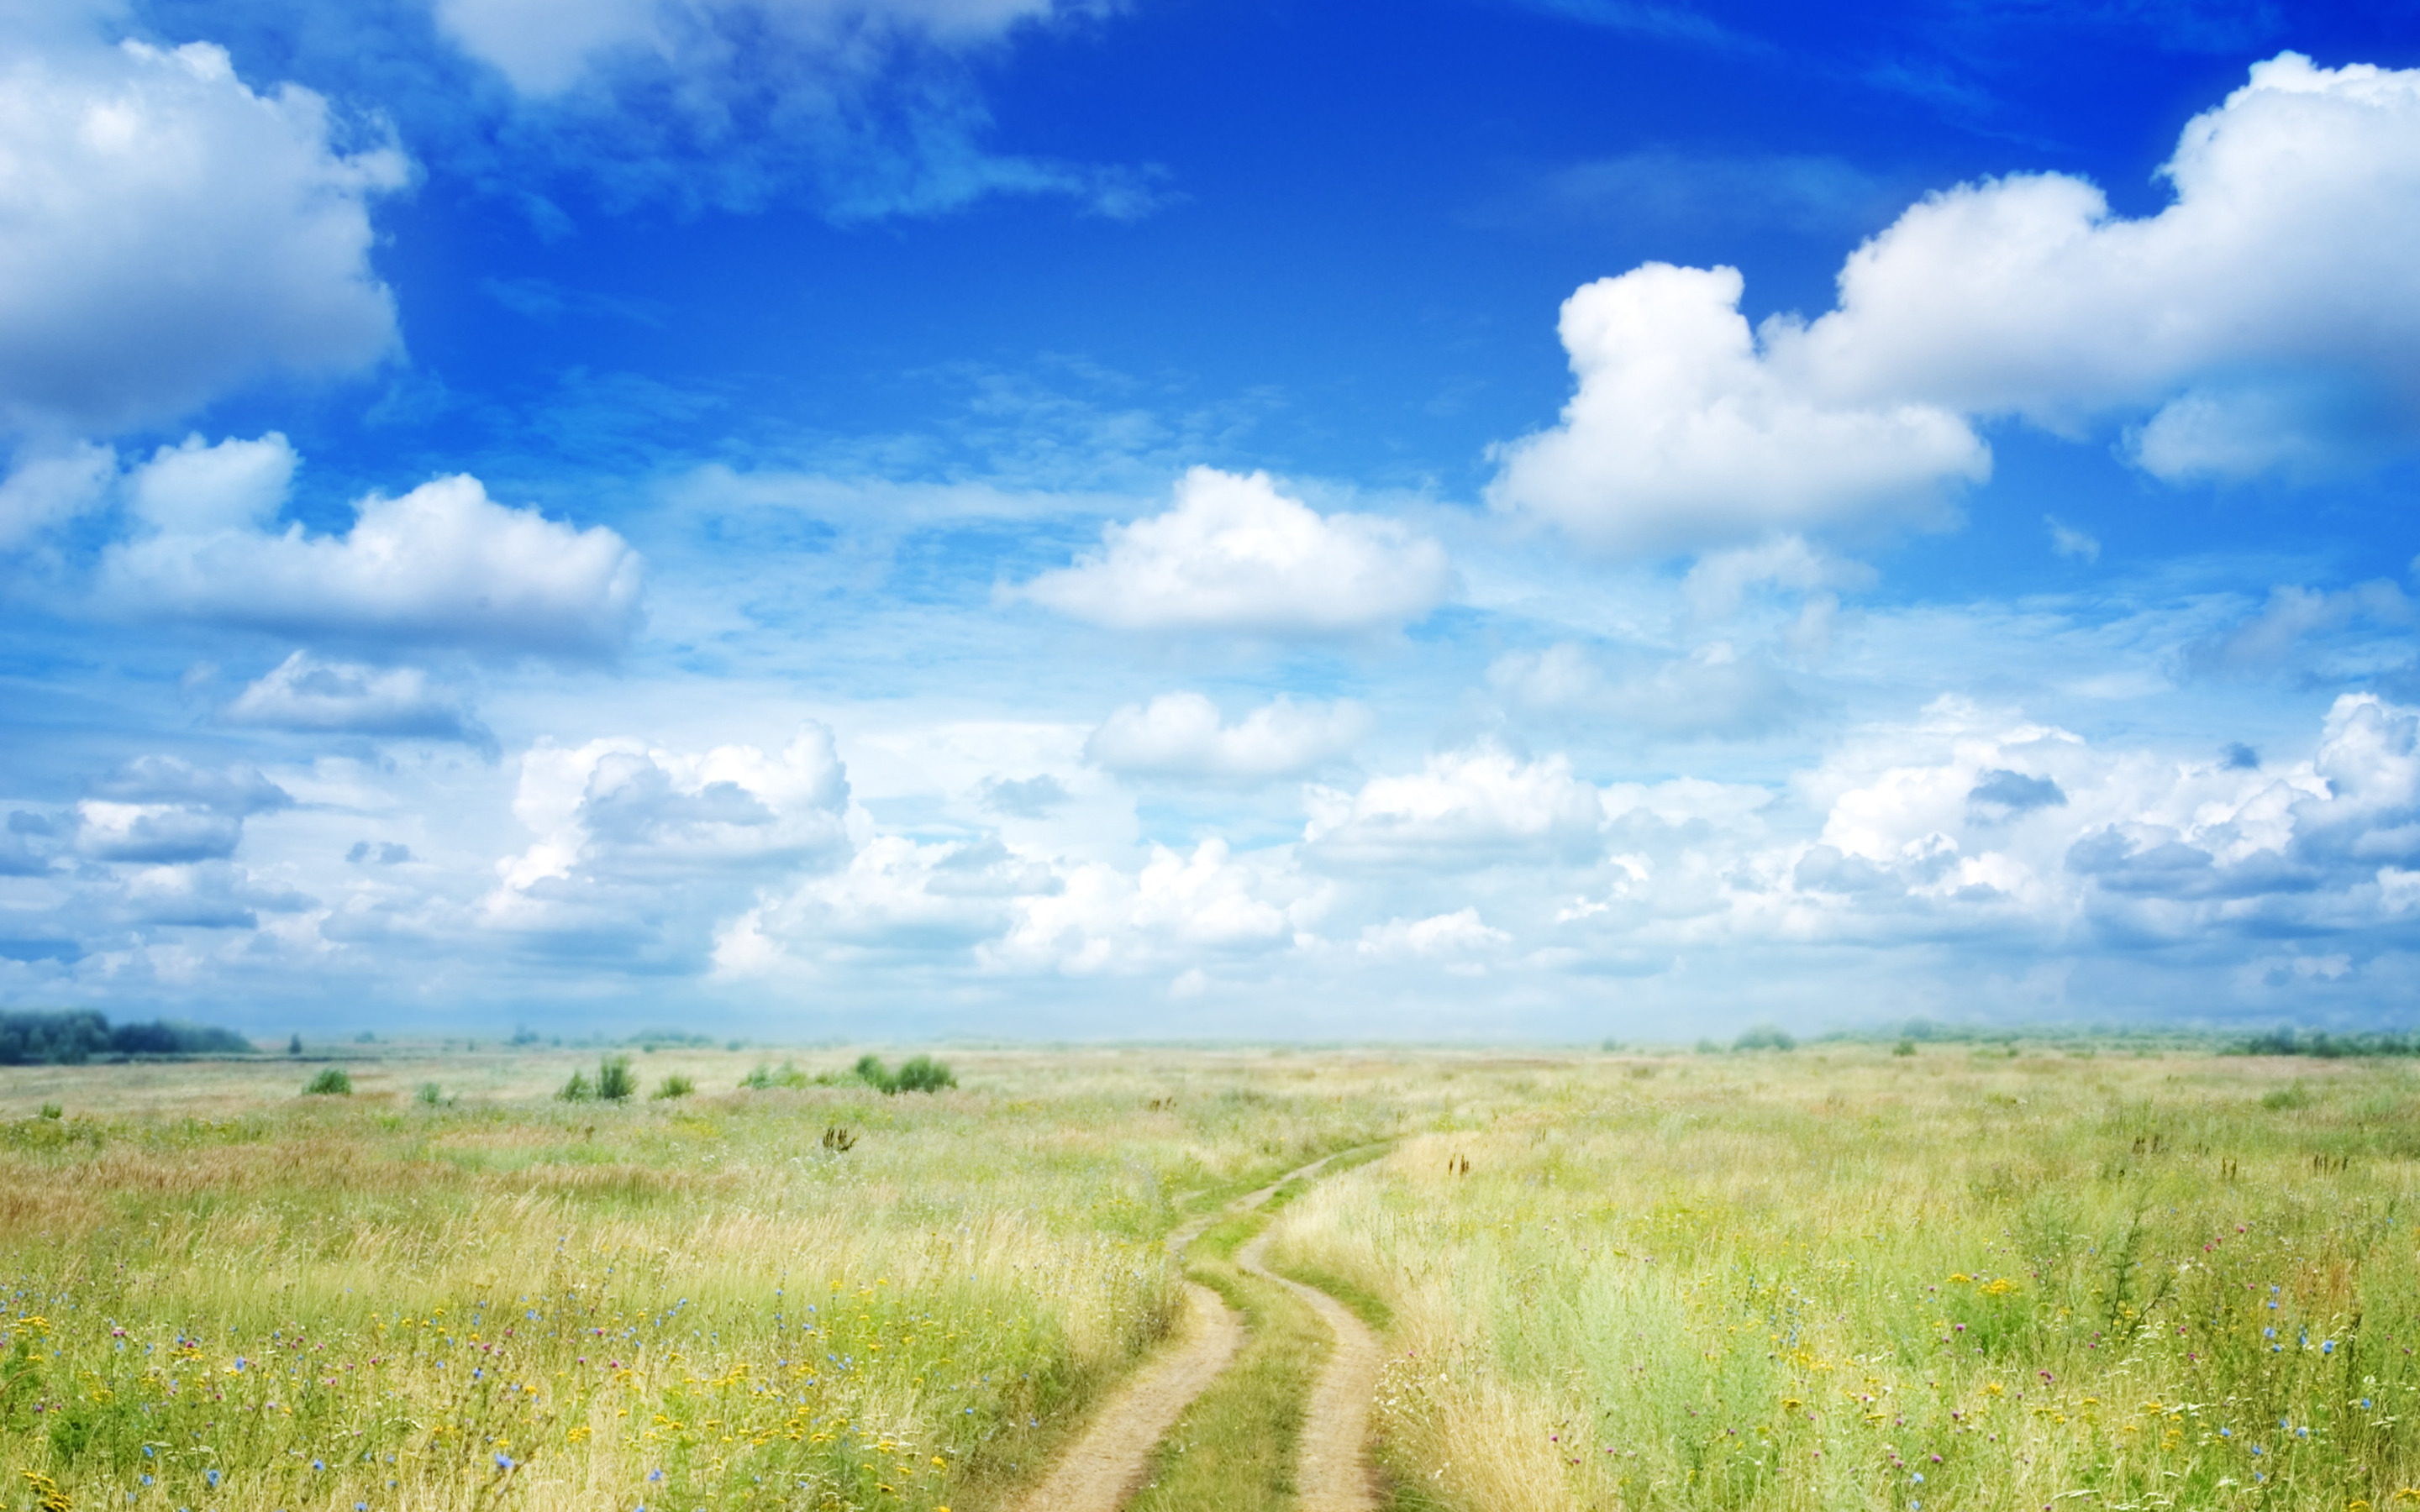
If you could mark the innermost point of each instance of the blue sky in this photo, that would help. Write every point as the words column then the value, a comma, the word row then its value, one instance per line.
column 1010, row 516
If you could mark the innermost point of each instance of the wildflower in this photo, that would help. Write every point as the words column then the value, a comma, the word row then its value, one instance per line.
column 318, row 1464
column 211, row 1476
column 655, row 1475
column 2329, row 1347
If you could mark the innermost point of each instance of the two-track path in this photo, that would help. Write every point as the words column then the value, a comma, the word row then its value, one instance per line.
column 1105, row 1464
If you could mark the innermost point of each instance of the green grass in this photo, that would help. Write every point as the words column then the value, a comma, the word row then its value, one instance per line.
column 1235, row 1449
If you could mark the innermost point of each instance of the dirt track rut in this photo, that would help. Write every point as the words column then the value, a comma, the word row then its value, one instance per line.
column 1105, row 1465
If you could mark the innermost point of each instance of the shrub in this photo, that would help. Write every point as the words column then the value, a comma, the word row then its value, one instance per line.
column 576, row 1090
column 921, row 1073
column 52, row 1110
column 1765, row 1037
column 332, row 1081
column 1905, row 1048
column 672, row 1087
column 616, row 1082
column 294, row 1045
column 430, row 1094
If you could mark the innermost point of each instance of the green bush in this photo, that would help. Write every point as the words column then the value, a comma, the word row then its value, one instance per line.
column 1765, row 1037
column 52, row 1110
column 921, row 1073
column 672, row 1087
column 332, row 1081
column 615, row 1081
column 1905, row 1048
column 577, row 1089
column 430, row 1094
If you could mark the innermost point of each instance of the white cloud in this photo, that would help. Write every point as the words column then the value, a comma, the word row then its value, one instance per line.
column 1686, row 434
column 172, row 234
column 620, row 805
column 1464, row 808
column 1181, row 735
column 163, row 809
column 304, row 692
column 195, row 488
column 49, row 487
column 1176, row 908
column 1719, row 581
column 897, row 900
column 442, row 564
column 1235, row 554
column 1442, row 937
column 2267, row 319
column 2268, row 314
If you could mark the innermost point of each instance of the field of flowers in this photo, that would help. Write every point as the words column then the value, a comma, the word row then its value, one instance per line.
column 376, row 1301
column 1843, row 1278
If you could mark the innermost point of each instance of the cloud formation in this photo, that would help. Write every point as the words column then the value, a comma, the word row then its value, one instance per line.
column 306, row 693
column 1234, row 554
column 1183, row 736
column 1464, row 808
column 441, row 565
column 618, row 821
column 1686, row 434
column 2266, row 320
column 126, row 162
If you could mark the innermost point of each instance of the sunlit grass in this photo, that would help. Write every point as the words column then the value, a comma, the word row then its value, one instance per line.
column 1866, row 1281
column 330, row 1301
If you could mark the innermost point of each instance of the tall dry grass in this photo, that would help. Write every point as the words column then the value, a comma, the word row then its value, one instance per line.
column 331, row 1303
column 1850, row 1280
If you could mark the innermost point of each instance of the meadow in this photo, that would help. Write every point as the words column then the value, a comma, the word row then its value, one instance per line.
column 2040, row 1275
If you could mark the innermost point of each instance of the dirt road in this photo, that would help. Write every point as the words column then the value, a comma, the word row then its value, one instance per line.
column 1333, row 1473
column 1104, row 1466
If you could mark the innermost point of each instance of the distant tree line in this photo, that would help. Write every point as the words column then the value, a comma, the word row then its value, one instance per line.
column 74, row 1036
column 2326, row 1046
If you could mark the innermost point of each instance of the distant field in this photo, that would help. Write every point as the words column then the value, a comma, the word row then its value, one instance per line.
column 1830, row 1278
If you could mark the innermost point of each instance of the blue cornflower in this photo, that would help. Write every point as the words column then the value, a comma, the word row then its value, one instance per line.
column 504, row 1460
column 2267, row 1333
column 211, row 1476
column 2226, row 1433
column 655, row 1475
column 2329, row 1347
column 318, row 1464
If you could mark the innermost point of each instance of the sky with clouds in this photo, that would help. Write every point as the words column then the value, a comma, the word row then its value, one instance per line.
column 1188, row 518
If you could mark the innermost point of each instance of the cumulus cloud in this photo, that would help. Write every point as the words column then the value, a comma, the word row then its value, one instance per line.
column 1464, row 808
column 164, row 810
column 1182, row 734
column 303, row 692
column 1235, row 554
column 619, row 821
column 1686, row 434
column 2266, row 320
column 897, row 900
column 1176, row 908
column 442, row 566
column 1440, row 937
column 124, row 162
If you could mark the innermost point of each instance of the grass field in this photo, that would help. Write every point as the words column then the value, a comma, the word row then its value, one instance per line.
column 1835, row 1278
